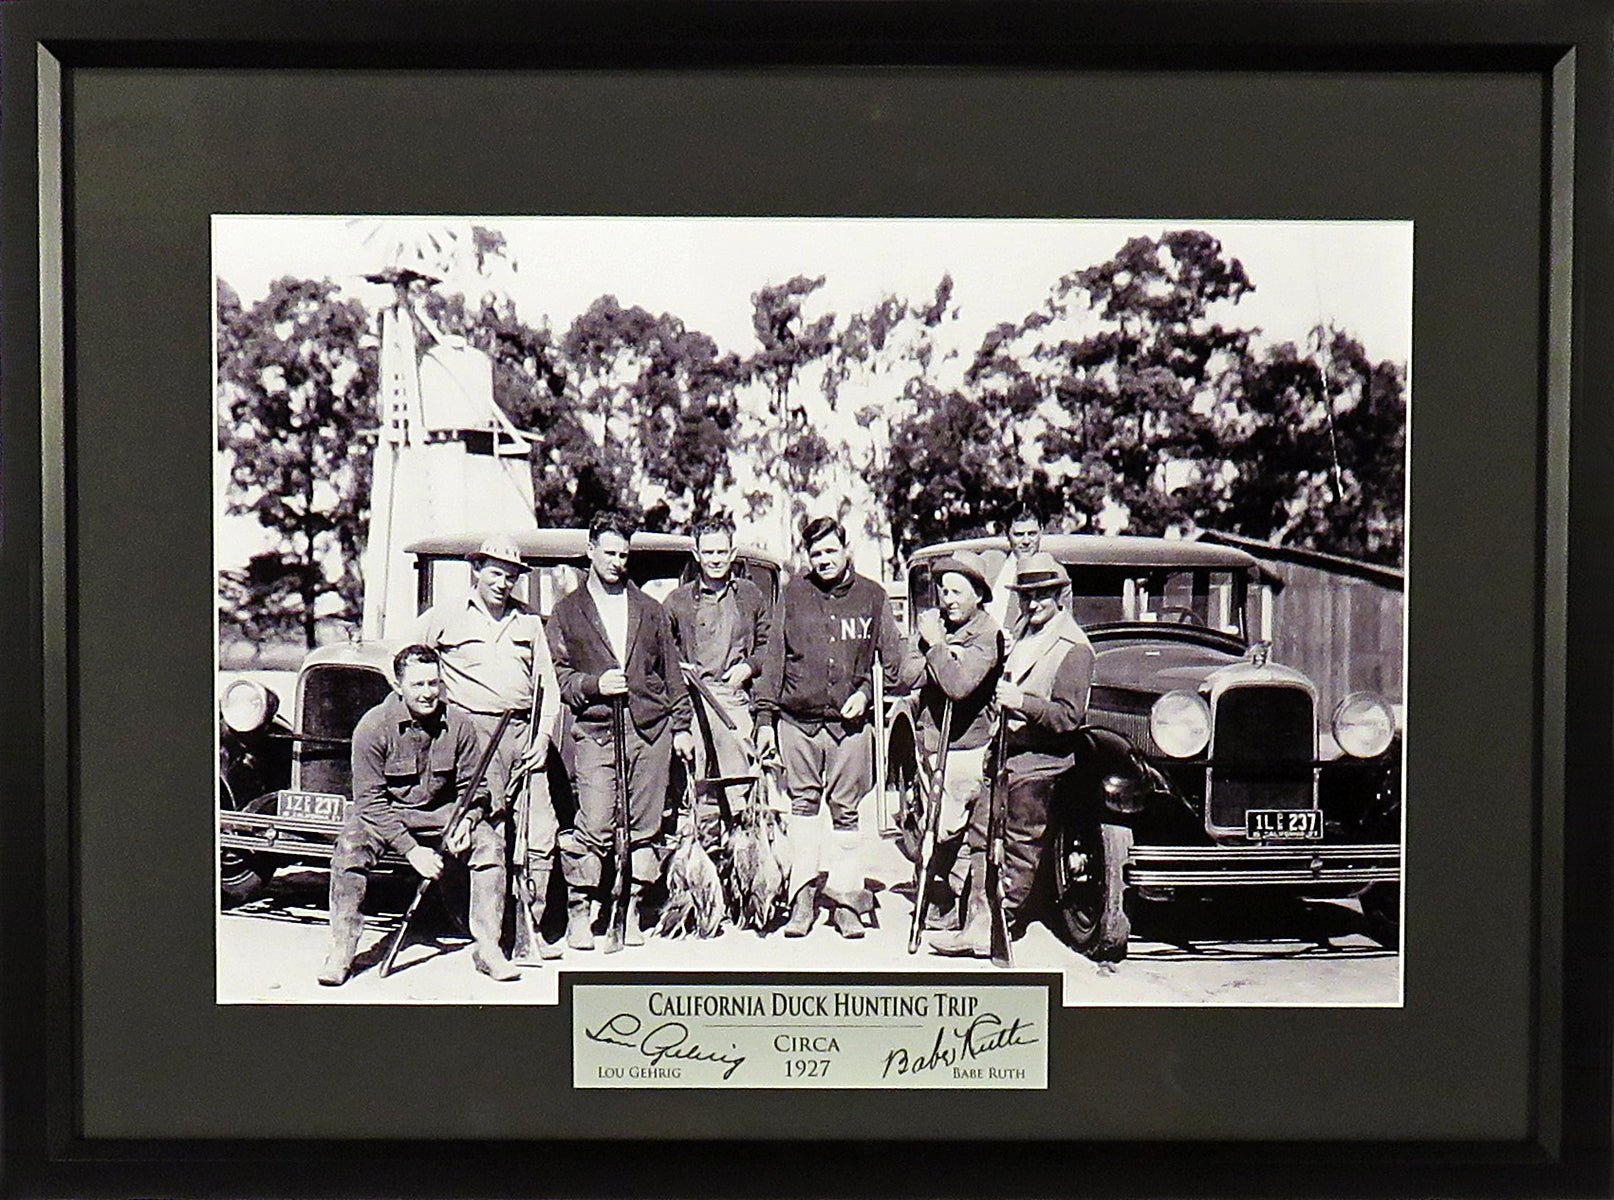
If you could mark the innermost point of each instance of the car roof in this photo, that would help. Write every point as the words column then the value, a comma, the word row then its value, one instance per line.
column 1070, row 549
column 565, row 543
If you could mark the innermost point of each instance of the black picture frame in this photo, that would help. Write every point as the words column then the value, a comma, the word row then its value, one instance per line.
column 55, row 517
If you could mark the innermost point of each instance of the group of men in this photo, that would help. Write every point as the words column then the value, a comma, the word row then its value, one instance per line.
column 796, row 682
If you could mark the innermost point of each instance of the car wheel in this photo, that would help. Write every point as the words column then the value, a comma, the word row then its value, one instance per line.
column 1089, row 865
column 243, row 877
column 1381, row 914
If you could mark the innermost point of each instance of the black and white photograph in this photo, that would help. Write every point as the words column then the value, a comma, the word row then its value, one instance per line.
column 811, row 596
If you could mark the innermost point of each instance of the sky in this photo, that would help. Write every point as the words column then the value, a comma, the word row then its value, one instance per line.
column 1357, row 274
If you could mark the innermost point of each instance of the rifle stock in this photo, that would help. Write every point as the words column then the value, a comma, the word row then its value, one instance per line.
column 455, row 816
column 924, row 862
column 617, row 934
column 1002, row 955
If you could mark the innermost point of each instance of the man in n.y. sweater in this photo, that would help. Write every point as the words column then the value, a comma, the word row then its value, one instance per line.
column 814, row 705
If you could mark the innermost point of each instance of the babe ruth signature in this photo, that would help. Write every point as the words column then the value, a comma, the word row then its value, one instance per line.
column 670, row 1039
column 955, row 1046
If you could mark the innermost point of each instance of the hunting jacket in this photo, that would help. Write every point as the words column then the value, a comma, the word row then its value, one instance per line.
column 582, row 653
column 963, row 667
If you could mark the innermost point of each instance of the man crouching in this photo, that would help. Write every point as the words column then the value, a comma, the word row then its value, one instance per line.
column 413, row 759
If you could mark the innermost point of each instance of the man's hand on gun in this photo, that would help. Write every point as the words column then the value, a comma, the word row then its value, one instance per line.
column 614, row 682
column 767, row 744
column 532, row 758
column 426, row 861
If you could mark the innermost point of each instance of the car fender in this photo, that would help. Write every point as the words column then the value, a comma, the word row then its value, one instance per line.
column 1109, row 771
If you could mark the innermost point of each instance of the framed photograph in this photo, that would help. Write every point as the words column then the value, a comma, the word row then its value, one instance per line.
column 807, row 599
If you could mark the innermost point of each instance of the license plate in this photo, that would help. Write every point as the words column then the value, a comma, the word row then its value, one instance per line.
column 1284, row 824
column 315, row 806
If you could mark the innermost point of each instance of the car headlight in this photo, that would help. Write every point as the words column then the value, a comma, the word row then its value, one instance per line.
column 1363, row 725
column 246, row 706
column 1180, row 724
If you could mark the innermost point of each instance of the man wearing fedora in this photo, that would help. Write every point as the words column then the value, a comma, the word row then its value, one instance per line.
column 963, row 651
column 495, row 658
column 1042, row 696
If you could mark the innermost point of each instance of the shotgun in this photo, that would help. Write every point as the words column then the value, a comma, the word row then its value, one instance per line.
column 930, row 827
column 996, row 819
column 617, row 935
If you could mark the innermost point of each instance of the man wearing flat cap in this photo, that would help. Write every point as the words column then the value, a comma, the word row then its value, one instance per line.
column 1042, row 696
column 963, row 651
column 495, row 658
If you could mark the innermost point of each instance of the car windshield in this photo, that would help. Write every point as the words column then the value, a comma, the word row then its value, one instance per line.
column 1111, row 595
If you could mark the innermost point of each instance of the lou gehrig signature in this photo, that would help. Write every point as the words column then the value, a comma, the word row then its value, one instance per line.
column 668, row 1040
column 984, row 1035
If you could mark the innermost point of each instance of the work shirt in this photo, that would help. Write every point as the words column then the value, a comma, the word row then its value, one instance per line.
column 401, row 762
column 1004, row 607
column 963, row 667
column 490, row 665
column 613, row 610
column 719, row 628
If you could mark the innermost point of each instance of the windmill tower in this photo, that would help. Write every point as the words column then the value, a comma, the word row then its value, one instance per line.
column 447, row 460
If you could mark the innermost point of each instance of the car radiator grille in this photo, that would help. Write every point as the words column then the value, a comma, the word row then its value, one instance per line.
column 333, row 700
column 1262, row 747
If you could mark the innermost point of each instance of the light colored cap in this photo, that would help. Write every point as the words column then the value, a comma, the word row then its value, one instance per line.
column 501, row 548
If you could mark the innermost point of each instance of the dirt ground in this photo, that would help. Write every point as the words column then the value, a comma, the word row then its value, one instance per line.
column 1235, row 950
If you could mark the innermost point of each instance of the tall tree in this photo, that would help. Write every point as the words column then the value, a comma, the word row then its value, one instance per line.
column 659, row 401
column 297, row 381
column 1312, row 445
column 787, row 446
column 1132, row 398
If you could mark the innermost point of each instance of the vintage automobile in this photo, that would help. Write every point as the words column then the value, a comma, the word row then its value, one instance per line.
column 1204, row 764
column 285, row 785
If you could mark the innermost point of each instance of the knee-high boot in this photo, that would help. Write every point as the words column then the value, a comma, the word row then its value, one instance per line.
column 487, row 924
column 347, row 893
column 975, row 939
column 805, row 835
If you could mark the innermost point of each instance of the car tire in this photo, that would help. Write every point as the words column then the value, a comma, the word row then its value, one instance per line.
column 1381, row 914
column 243, row 876
column 1090, row 886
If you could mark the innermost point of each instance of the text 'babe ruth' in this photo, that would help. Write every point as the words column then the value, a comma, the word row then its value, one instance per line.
column 814, row 707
